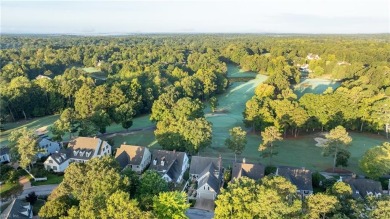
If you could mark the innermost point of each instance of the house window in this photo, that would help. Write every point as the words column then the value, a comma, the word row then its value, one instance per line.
column 54, row 168
column 208, row 187
column 50, row 161
column 137, row 166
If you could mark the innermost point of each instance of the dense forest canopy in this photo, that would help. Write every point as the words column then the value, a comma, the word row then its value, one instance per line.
column 44, row 75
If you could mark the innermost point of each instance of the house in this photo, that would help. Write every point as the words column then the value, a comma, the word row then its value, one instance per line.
column 17, row 209
column 47, row 147
column 79, row 150
column 252, row 171
column 312, row 56
column 300, row 177
column 207, row 172
column 364, row 187
column 4, row 155
column 170, row 164
column 135, row 157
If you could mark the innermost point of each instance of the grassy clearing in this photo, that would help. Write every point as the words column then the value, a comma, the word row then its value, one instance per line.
column 51, row 179
column 30, row 124
column 315, row 85
column 96, row 73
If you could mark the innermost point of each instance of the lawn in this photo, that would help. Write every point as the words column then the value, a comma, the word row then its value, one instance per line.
column 314, row 85
column 9, row 188
column 96, row 73
column 30, row 124
column 51, row 179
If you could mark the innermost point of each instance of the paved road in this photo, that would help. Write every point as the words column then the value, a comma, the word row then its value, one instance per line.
column 193, row 213
column 39, row 190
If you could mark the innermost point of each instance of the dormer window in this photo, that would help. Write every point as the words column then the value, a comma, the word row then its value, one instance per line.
column 88, row 154
column 75, row 152
column 82, row 153
column 163, row 161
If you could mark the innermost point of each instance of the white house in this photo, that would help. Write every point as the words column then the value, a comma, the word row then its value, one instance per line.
column 4, row 155
column 47, row 147
column 80, row 150
column 135, row 157
column 208, row 172
column 170, row 164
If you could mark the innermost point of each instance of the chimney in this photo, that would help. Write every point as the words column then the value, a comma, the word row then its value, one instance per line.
column 124, row 142
column 163, row 161
column 243, row 160
column 155, row 161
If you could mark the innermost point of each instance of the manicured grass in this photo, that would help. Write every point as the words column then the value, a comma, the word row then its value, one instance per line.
column 37, row 206
column 51, row 179
column 7, row 186
column 315, row 85
column 96, row 73
column 30, row 124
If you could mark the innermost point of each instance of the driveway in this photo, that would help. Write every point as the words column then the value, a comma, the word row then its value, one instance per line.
column 193, row 213
column 204, row 204
column 39, row 190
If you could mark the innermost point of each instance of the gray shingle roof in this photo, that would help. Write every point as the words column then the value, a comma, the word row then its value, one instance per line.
column 18, row 210
column 198, row 164
column 300, row 177
column 211, row 180
column 361, row 187
column 129, row 154
column 252, row 171
column 173, row 162
column 4, row 150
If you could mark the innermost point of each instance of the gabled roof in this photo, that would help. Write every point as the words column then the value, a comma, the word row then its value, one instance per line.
column 198, row 164
column 85, row 143
column 361, row 187
column 129, row 154
column 300, row 177
column 18, row 209
column 4, row 150
column 61, row 156
column 173, row 162
column 209, row 179
column 252, row 171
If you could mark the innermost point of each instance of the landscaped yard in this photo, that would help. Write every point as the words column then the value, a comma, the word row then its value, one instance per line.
column 9, row 188
column 51, row 179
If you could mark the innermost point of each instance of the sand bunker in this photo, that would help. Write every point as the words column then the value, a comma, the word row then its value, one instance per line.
column 321, row 142
column 42, row 130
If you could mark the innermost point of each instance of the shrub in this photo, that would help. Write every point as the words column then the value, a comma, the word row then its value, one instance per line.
column 269, row 170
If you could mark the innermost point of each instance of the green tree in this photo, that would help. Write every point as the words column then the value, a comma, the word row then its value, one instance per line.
column 336, row 140
column 213, row 103
column 238, row 200
column 269, row 136
column 119, row 206
column 170, row 205
column 101, row 119
column 376, row 161
column 151, row 184
column 124, row 114
column 381, row 209
column 319, row 205
column 87, row 186
column 24, row 146
column 236, row 141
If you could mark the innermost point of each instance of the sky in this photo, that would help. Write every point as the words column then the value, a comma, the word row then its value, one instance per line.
column 201, row 16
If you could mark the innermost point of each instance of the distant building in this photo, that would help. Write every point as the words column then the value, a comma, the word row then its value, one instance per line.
column 312, row 56
column 4, row 155
column 252, row 171
column 18, row 209
column 79, row 150
column 42, row 77
column 208, row 172
column 300, row 177
column 135, row 157
column 364, row 187
column 47, row 147
column 170, row 164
